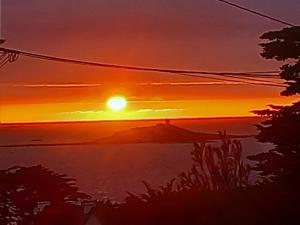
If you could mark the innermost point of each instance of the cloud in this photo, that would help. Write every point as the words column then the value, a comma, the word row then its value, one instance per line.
column 159, row 110
column 90, row 112
column 95, row 85
column 58, row 85
column 191, row 83
column 83, row 112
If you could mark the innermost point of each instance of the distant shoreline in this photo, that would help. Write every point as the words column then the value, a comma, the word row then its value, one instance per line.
column 46, row 145
column 100, row 144
column 128, row 120
column 161, row 133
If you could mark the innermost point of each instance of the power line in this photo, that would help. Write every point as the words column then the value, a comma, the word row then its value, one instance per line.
column 136, row 68
column 240, row 80
column 12, row 56
column 1, row 38
column 254, row 79
column 6, row 57
column 257, row 13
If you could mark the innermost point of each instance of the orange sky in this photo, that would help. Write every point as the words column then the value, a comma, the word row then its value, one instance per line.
column 201, row 35
column 44, row 112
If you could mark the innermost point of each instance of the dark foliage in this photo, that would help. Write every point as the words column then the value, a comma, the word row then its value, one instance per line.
column 61, row 214
column 191, row 200
column 282, row 127
column 216, row 168
column 259, row 205
column 283, row 130
column 23, row 189
column 285, row 45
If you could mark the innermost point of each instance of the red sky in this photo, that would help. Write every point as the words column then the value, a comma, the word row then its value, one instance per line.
column 193, row 34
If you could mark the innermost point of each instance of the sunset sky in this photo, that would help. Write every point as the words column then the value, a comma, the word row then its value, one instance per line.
column 184, row 34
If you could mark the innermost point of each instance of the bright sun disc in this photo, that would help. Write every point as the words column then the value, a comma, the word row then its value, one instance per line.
column 116, row 103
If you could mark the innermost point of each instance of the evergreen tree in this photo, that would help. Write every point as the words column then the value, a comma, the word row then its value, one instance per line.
column 282, row 128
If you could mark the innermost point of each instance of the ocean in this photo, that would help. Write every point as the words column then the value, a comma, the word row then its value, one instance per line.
column 110, row 171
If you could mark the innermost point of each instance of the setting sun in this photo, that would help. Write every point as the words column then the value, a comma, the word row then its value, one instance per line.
column 116, row 103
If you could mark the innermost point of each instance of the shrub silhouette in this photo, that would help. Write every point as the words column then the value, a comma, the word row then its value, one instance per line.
column 216, row 191
column 217, row 179
column 216, row 168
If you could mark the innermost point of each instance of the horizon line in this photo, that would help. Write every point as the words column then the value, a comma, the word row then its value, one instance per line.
column 123, row 120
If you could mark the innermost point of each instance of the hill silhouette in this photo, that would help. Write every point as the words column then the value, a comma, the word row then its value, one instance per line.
column 161, row 133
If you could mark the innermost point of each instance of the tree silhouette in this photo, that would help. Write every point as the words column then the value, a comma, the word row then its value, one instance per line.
column 22, row 189
column 282, row 128
column 285, row 45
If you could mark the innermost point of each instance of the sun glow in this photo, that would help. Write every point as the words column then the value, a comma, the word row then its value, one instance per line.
column 116, row 103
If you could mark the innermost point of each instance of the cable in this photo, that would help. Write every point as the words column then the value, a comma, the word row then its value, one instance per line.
column 241, row 81
column 256, row 80
column 3, row 62
column 257, row 13
column 6, row 57
column 190, row 73
column 116, row 66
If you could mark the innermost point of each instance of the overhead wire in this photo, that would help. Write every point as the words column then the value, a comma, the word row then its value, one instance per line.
column 239, row 75
column 259, row 83
column 257, row 13
column 256, row 78
column 126, row 67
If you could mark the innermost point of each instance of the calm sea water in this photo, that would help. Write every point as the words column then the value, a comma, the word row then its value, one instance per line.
column 112, row 170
